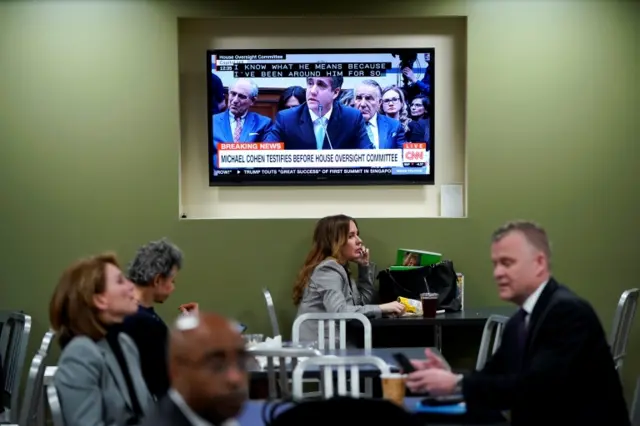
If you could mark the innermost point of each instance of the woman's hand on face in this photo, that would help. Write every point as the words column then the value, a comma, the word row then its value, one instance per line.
column 364, row 256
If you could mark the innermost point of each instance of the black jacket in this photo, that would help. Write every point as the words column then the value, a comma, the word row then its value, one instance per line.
column 566, row 376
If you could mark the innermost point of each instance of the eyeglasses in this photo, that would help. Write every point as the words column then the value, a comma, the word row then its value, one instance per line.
column 390, row 100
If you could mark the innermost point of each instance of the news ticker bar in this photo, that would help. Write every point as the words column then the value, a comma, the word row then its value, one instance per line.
column 304, row 159
column 322, row 69
column 414, row 171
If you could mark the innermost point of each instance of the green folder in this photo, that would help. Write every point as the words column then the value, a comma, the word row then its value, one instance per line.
column 412, row 257
column 403, row 268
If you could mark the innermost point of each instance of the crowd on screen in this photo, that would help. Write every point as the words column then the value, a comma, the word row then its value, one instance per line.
column 122, row 365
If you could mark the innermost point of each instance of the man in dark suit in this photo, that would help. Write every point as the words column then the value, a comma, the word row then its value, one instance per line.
column 554, row 365
column 384, row 132
column 420, row 131
column 321, row 123
column 237, row 123
column 207, row 367
column 216, row 91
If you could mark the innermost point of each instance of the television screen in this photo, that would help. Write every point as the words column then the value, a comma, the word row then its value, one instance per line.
column 321, row 116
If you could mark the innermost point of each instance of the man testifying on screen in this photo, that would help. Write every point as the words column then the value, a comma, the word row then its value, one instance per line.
column 321, row 122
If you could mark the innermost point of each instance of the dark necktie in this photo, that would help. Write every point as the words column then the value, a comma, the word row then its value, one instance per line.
column 521, row 330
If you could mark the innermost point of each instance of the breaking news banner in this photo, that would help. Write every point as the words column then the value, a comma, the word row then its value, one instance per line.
column 272, row 155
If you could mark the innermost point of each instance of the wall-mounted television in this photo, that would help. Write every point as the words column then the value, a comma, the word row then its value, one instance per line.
column 330, row 116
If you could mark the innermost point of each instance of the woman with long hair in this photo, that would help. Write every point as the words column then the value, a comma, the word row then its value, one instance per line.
column 420, row 126
column 324, row 283
column 98, row 377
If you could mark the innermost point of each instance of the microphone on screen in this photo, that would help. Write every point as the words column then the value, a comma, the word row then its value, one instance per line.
column 324, row 126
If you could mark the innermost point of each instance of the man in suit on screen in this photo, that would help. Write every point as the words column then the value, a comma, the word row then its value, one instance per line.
column 237, row 123
column 554, row 364
column 384, row 132
column 320, row 123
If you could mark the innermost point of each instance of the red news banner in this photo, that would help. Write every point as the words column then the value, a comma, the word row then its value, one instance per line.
column 273, row 155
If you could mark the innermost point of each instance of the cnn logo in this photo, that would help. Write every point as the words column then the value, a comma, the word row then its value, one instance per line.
column 413, row 156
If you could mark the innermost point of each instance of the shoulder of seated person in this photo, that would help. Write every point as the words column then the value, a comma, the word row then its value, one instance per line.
column 330, row 264
column 140, row 316
column 567, row 304
column 80, row 347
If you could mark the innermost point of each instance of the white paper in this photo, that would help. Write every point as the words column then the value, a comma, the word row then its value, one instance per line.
column 451, row 201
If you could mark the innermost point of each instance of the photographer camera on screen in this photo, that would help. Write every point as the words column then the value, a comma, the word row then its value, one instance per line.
column 410, row 82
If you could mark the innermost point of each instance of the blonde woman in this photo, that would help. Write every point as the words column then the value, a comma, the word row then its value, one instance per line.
column 394, row 106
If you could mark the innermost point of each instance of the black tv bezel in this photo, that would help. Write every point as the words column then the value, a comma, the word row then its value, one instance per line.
column 306, row 180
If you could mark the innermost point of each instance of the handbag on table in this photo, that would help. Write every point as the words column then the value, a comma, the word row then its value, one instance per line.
column 438, row 278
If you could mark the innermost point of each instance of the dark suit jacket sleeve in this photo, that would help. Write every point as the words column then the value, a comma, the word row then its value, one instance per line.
column 400, row 136
column 217, row 89
column 151, row 337
column 77, row 381
column 565, row 335
column 416, row 132
column 424, row 85
column 266, row 129
column 363, row 141
column 275, row 131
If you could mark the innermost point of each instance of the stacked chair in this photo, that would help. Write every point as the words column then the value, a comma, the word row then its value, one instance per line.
column 14, row 339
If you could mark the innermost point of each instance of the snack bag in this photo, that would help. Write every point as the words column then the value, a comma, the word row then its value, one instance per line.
column 411, row 306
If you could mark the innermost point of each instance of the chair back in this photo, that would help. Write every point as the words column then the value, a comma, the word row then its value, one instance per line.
column 271, row 310
column 622, row 321
column 331, row 320
column 14, row 339
column 326, row 364
column 635, row 405
column 54, row 405
column 283, row 355
column 32, row 409
column 47, row 339
column 493, row 328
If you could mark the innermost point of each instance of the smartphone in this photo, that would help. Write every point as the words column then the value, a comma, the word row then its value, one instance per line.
column 437, row 401
column 404, row 363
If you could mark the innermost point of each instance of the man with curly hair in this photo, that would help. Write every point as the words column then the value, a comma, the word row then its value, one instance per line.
column 153, row 271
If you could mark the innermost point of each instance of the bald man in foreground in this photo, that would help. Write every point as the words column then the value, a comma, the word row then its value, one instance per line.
column 207, row 368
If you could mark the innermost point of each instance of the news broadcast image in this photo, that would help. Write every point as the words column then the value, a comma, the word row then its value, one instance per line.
column 302, row 117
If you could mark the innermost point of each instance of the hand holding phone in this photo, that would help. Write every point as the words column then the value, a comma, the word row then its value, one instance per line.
column 404, row 363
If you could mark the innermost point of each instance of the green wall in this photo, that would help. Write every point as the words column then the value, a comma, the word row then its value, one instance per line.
column 89, row 143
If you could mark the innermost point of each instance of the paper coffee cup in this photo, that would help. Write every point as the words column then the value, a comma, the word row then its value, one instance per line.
column 393, row 387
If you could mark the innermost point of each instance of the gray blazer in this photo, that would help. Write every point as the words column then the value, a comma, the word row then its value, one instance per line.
column 91, row 386
column 330, row 289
